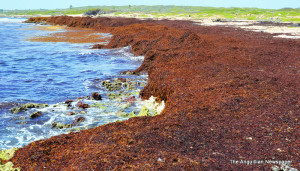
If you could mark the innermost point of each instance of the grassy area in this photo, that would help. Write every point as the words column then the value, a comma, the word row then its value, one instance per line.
column 280, row 15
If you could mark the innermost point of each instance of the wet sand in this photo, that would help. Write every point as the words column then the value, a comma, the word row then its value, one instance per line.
column 231, row 95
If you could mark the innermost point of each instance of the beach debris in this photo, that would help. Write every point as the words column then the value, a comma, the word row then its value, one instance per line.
column 96, row 96
column 26, row 106
column 35, row 114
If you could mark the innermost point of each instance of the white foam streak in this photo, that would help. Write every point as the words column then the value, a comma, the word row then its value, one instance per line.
column 12, row 20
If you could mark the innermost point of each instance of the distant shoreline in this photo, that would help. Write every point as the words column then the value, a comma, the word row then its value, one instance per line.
column 289, row 30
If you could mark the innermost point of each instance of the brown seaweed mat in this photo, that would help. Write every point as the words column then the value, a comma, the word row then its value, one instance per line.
column 232, row 103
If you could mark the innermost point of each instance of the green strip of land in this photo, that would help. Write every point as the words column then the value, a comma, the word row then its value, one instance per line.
column 192, row 12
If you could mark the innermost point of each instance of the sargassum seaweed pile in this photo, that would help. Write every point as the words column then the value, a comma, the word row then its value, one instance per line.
column 230, row 95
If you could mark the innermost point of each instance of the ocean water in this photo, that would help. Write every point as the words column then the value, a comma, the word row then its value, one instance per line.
column 47, row 72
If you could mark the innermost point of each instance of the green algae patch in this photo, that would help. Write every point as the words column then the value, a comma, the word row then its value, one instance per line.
column 9, row 166
column 99, row 105
column 35, row 115
column 132, row 114
column 127, row 105
column 114, row 95
column 144, row 112
column 126, row 115
column 112, row 86
column 58, row 125
column 27, row 106
column 6, row 155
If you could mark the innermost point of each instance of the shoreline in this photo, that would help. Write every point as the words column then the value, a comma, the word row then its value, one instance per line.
column 214, row 76
column 122, row 102
column 289, row 30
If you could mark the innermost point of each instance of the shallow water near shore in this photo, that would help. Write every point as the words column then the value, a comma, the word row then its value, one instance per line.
column 46, row 72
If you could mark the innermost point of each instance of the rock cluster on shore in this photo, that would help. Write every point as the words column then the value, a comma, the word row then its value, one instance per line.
column 230, row 95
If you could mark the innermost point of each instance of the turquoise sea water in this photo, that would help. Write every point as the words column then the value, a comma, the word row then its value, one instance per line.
column 45, row 72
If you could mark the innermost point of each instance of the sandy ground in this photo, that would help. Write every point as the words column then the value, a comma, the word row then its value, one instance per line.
column 288, row 31
column 281, row 30
column 285, row 30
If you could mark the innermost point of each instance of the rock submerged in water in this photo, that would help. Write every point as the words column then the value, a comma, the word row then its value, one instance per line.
column 26, row 106
column 121, row 79
column 68, row 102
column 82, row 105
column 58, row 125
column 96, row 96
column 130, row 99
column 112, row 86
column 78, row 120
column 130, row 73
column 126, row 115
column 35, row 115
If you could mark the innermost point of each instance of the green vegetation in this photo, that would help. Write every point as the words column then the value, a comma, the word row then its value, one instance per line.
column 192, row 12
column 6, row 155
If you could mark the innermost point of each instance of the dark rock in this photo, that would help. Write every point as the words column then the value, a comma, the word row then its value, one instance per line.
column 122, row 79
column 96, row 96
column 82, row 105
column 78, row 119
column 85, row 106
column 98, row 46
column 130, row 99
column 69, row 101
column 35, row 115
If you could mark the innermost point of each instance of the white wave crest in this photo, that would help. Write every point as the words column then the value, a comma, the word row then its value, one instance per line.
column 12, row 20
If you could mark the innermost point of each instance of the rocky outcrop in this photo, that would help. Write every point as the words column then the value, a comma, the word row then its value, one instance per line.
column 82, row 105
column 27, row 106
column 35, row 115
column 96, row 96
column 78, row 120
